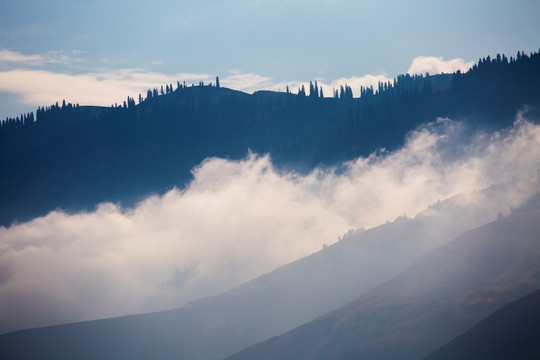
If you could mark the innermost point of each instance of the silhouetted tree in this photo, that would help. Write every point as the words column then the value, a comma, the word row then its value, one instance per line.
column 98, row 153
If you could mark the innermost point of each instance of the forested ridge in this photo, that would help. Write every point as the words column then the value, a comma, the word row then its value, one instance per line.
column 73, row 157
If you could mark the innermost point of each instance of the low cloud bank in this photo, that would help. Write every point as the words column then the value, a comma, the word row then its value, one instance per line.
column 32, row 82
column 37, row 87
column 47, row 87
column 239, row 219
column 10, row 58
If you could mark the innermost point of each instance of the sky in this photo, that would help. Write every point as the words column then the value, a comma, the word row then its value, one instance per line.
column 99, row 52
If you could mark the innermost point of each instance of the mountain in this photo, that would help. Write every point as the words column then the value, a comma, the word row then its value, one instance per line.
column 509, row 333
column 73, row 157
column 434, row 300
column 266, row 306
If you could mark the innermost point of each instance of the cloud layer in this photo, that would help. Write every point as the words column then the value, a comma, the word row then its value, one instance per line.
column 46, row 87
column 30, row 80
column 239, row 219
column 16, row 59
column 41, row 87
column 437, row 65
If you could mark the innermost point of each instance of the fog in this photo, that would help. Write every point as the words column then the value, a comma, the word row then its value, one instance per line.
column 239, row 219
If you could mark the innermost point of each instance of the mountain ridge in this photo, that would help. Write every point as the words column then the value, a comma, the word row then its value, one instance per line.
column 84, row 155
column 261, row 308
column 416, row 311
column 509, row 333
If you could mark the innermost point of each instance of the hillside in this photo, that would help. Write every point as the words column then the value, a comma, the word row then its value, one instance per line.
column 509, row 333
column 73, row 157
column 425, row 306
column 261, row 308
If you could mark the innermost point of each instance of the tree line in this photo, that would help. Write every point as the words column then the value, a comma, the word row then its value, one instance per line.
column 73, row 156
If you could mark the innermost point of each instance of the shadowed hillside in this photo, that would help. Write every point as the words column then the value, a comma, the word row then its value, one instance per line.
column 422, row 308
column 74, row 157
column 287, row 297
column 510, row 333
column 268, row 305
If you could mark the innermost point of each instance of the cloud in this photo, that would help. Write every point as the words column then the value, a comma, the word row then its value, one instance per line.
column 236, row 220
column 355, row 82
column 37, row 87
column 14, row 58
column 25, row 76
column 42, row 87
column 437, row 65
column 239, row 219
column 248, row 82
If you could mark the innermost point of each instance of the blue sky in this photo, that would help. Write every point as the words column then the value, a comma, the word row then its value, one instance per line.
column 101, row 51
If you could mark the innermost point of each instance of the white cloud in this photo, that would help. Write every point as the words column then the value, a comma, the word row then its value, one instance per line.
column 14, row 58
column 248, row 82
column 24, row 76
column 436, row 65
column 40, row 87
column 355, row 82
column 238, row 219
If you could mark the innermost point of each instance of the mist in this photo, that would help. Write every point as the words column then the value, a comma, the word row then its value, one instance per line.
column 239, row 219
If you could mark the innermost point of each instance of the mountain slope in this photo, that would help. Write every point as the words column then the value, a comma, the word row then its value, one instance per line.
column 510, row 333
column 75, row 157
column 267, row 306
column 423, row 307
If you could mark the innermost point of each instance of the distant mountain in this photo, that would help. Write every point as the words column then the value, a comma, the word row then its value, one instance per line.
column 217, row 326
column 426, row 305
column 510, row 333
column 73, row 157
